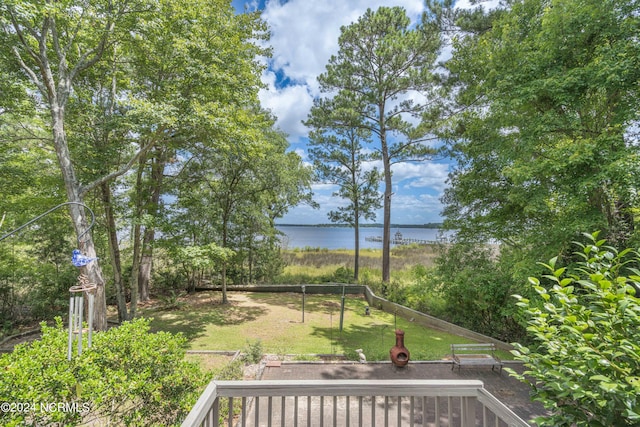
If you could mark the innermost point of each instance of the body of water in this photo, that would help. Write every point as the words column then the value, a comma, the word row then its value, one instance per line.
column 343, row 237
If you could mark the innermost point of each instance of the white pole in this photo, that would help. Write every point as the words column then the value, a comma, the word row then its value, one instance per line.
column 80, row 309
column 71, row 325
column 90, row 318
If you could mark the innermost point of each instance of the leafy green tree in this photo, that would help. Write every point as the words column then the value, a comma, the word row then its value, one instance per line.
column 339, row 158
column 286, row 183
column 585, row 363
column 160, row 76
column 53, row 43
column 197, row 73
column 231, row 194
column 383, row 65
column 35, row 272
column 545, row 142
column 544, row 134
column 99, row 132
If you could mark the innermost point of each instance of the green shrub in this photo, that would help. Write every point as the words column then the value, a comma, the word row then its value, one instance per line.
column 476, row 289
column 128, row 377
column 425, row 293
column 231, row 372
column 171, row 301
column 369, row 277
column 585, row 365
column 253, row 352
column 342, row 275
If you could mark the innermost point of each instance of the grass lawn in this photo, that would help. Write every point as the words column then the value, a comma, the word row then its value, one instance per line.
column 276, row 320
column 210, row 362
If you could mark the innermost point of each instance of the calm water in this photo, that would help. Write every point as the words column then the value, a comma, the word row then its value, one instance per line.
column 343, row 238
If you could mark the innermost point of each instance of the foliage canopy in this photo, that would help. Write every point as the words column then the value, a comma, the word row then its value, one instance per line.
column 543, row 129
column 546, row 141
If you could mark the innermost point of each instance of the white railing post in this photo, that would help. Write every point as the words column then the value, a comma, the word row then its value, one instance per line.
column 202, row 408
column 215, row 412
column 468, row 411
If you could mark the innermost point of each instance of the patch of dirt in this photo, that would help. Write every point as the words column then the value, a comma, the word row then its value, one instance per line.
column 28, row 336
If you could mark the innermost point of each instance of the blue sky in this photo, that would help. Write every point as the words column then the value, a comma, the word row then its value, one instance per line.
column 304, row 34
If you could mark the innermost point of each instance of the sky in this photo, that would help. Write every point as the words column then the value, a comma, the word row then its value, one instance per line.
column 304, row 35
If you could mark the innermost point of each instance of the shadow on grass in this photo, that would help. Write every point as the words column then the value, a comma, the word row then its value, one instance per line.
column 321, row 303
column 192, row 320
column 378, row 337
column 374, row 334
column 375, row 340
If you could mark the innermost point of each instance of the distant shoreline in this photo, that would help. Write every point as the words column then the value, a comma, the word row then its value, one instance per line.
column 431, row 225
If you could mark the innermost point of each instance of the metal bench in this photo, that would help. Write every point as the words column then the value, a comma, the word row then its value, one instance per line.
column 475, row 355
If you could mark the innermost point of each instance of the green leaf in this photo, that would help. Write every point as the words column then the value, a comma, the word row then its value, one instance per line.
column 608, row 387
column 559, row 272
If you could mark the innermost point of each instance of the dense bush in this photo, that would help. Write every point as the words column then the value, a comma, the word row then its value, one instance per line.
column 585, row 363
column 128, row 377
column 476, row 285
column 425, row 294
column 34, row 284
column 253, row 352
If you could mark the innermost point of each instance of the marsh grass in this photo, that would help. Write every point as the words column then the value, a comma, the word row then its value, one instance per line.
column 315, row 265
column 276, row 320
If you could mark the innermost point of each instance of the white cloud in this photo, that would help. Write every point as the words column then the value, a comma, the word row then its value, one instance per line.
column 290, row 105
column 304, row 35
column 319, row 187
column 415, row 210
column 486, row 4
column 421, row 175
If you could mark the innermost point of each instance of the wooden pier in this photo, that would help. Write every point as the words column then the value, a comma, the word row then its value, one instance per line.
column 399, row 239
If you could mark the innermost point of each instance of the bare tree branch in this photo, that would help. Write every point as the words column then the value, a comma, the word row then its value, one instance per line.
column 84, row 189
column 92, row 56
column 32, row 75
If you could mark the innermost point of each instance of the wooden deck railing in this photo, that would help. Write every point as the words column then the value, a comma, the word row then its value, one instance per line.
column 344, row 403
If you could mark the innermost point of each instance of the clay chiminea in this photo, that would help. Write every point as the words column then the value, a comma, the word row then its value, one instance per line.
column 399, row 353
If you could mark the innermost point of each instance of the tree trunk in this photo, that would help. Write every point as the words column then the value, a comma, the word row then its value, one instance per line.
column 85, row 239
column 356, row 261
column 225, row 299
column 250, row 258
column 386, row 233
column 146, row 261
column 114, row 249
column 135, row 265
column 135, row 271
